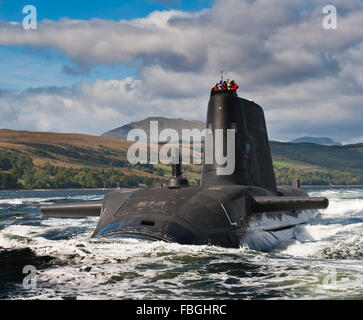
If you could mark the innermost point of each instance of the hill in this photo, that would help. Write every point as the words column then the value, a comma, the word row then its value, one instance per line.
column 317, row 164
column 163, row 123
column 333, row 157
column 317, row 140
column 69, row 150
column 74, row 160
column 44, row 160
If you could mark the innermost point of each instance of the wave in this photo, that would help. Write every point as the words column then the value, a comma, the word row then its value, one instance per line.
column 336, row 233
column 343, row 249
column 48, row 200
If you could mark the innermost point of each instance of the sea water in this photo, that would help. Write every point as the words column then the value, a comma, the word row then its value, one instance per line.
column 323, row 262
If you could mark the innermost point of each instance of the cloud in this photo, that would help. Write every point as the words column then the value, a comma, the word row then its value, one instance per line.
column 87, row 108
column 111, row 42
column 98, row 107
column 308, row 79
column 269, row 40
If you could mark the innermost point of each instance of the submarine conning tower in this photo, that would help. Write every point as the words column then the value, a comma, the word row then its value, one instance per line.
column 253, row 162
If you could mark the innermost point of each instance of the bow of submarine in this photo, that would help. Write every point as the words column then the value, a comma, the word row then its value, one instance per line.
column 218, row 215
column 192, row 215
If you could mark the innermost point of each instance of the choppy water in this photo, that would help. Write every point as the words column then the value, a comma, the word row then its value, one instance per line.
column 325, row 262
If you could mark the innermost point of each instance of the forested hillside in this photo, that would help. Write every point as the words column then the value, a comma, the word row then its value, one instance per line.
column 51, row 160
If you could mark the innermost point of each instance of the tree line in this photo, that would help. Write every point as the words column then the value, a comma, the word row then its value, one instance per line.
column 19, row 172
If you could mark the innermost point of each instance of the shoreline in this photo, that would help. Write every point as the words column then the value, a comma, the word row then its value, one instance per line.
column 65, row 189
column 111, row 189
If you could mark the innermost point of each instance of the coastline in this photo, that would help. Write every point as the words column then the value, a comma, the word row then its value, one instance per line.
column 114, row 189
column 61, row 189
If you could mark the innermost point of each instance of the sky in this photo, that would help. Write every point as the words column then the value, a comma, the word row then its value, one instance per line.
column 91, row 66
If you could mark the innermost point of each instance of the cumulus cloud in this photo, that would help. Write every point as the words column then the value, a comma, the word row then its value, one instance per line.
column 308, row 79
column 87, row 108
column 110, row 42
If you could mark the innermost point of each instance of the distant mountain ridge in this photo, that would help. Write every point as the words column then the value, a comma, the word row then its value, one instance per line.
column 163, row 123
column 179, row 124
column 312, row 163
column 317, row 140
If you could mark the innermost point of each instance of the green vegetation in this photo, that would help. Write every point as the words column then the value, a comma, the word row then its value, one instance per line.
column 60, row 161
column 316, row 164
column 285, row 175
column 332, row 157
column 19, row 172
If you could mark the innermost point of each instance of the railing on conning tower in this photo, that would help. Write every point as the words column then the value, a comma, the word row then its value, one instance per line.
column 229, row 92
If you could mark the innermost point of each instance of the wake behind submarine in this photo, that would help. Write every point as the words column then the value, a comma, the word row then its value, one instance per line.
column 243, row 208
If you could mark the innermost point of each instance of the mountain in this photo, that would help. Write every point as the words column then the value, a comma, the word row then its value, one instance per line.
column 312, row 163
column 316, row 140
column 76, row 160
column 330, row 157
column 179, row 124
column 163, row 123
column 69, row 150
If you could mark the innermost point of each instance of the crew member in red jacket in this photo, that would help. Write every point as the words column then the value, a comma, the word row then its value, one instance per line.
column 234, row 86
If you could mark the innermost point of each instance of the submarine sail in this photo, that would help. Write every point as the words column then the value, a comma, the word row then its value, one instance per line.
column 253, row 162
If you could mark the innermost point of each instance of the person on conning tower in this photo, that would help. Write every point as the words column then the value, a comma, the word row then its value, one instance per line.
column 233, row 86
column 228, row 86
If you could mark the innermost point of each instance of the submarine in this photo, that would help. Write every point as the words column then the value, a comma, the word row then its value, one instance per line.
column 243, row 208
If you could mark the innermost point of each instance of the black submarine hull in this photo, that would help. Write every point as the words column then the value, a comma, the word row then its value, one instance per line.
column 243, row 208
column 228, row 216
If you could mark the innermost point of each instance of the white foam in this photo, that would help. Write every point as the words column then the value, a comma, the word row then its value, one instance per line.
column 325, row 238
column 335, row 237
column 19, row 201
column 11, row 201
column 343, row 208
